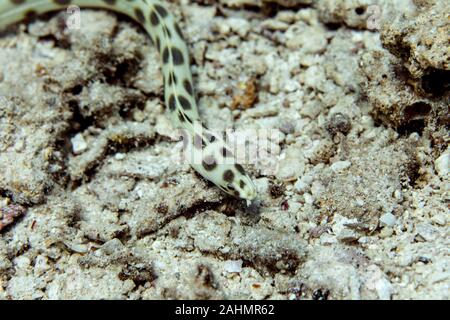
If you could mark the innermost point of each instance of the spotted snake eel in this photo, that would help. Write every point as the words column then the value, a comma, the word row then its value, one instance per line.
column 212, row 157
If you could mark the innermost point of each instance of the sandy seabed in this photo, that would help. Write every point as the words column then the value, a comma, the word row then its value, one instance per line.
column 354, row 203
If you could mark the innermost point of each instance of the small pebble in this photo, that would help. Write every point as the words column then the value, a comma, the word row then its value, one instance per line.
column 359, row 202
column 119, row 156
column 388, row 219
column 386, row 232
column 440, row 219
column 442, row 164
column 79, row 145
column 309, row 199
column 300, row 186
column 340, row 165
column 22, row 262
column 20, row 145
column 233, row 266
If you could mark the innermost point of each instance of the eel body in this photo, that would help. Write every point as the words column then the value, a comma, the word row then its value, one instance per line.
column 207, row 152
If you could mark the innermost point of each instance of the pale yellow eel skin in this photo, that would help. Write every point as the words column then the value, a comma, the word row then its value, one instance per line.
column 209, row 154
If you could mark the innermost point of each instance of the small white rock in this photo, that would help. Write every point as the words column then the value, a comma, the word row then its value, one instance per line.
column 79, row 145
column 359, row 202
column 440, row 219
column 377, row 281
column 119, row 156
column 20, row 145
column 442, row 164
column 272, row 24
column 233, row 266
column 340, row 165
column 426, row 231
column 309, row 199
column 386, row 232
column 388, row 219
column 300, row 186
column 22, row 262
column 398, row 195
column 138, row 115
column 41, row 265
column 291, row 166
